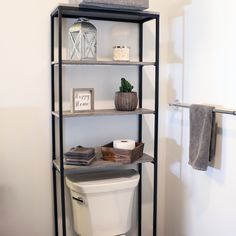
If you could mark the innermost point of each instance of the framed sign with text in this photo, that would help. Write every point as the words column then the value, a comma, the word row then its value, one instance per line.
column 82, row 99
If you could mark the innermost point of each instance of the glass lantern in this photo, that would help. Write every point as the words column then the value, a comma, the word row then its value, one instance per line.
column 83, row 40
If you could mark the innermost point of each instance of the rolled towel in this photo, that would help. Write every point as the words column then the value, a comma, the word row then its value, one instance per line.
column 120, row 4
column 79, row 161
column 202, row 136
column 80, row 151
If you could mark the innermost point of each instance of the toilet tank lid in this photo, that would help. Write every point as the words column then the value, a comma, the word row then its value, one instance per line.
column 106, row 181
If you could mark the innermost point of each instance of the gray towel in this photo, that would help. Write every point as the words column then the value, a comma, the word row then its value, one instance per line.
column 120, row 4
column 202, row 136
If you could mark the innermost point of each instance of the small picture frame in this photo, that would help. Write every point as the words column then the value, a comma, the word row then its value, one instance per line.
column 82, row 99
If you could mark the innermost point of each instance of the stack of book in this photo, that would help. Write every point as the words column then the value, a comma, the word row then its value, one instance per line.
column 79, row 156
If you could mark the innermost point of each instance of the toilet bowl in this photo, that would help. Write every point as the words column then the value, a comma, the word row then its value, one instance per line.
column 102, row 202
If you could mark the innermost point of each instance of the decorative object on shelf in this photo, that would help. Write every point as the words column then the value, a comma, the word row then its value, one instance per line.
column 82, row 99
column 121, row 53
column 124, row 156
column 120, row 4
column 125, row 99
column 79, row 156
column 83, row 40
column 124, row 144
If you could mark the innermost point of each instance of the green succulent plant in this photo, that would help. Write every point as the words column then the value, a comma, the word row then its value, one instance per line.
column 125, row 86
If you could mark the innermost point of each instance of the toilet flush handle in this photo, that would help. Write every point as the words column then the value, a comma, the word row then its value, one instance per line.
column 79, row 199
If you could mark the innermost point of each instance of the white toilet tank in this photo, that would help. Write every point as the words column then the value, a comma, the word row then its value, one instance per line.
column 102, row 201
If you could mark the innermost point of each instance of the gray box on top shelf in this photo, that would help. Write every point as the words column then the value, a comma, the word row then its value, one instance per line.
column 118, row 4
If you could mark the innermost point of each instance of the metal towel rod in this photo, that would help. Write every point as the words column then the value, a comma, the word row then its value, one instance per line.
column 184, row 105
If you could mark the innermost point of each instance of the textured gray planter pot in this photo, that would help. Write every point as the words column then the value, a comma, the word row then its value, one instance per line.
column 126, row 101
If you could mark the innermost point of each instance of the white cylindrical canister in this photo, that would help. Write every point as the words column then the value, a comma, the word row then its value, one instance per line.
column 121, row 53
column 124, row 144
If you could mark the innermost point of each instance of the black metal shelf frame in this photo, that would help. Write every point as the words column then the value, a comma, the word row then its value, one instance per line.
column 108, row 15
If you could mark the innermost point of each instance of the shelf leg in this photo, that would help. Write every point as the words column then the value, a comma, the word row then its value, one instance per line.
column 140, row 127
column 55, row 202
column 63, row 210
column 53, row 130
column 140, row 201
column 155, row 182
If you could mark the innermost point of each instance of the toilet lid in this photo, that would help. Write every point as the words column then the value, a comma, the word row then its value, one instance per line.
column 105, row 181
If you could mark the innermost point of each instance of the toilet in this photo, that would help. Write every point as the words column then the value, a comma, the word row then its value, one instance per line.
column 102, row 202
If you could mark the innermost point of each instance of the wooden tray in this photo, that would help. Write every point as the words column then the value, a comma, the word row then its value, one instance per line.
column 122, row 155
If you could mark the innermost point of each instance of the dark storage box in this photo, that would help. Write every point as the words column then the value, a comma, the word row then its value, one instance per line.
column 122, row 155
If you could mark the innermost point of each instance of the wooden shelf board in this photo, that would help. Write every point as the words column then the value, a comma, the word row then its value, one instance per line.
column 105, row 63
column 99, row 163
column 104, row 112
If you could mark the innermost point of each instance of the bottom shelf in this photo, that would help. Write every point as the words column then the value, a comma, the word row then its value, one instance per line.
column 100, row 163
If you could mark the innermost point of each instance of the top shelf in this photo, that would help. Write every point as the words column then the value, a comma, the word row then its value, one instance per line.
column 73, row 11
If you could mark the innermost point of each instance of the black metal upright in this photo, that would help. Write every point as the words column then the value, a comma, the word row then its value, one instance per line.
column 63, row 210
column 156, row 129
column 140, row 126
column 53, row 129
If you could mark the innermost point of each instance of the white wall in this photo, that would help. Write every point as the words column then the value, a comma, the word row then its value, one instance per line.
column 202, row 55
column 25, row 169
column 25, row 135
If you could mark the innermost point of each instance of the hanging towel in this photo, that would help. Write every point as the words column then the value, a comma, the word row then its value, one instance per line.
column 202, row 136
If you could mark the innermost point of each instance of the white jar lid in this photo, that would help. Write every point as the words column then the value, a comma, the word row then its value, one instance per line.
column 121, row 47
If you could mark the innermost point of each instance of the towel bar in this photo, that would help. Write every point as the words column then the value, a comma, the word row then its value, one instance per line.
column 184, row 105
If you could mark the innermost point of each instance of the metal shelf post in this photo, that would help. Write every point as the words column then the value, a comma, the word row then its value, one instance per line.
column 140, row 126
column 63, row 210
column 53, row 130
column 156, row 129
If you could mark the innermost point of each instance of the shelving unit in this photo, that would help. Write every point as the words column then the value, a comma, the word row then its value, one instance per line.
column 58, row 64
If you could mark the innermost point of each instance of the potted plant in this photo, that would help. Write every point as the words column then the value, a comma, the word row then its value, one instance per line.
column 125, row 99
